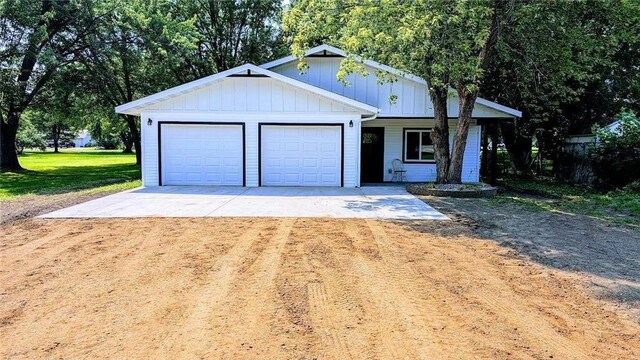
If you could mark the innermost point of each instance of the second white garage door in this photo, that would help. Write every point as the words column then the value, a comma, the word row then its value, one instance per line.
column 202, row 154
column 301, row 155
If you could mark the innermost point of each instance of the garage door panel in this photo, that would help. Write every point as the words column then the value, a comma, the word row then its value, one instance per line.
column 202, row 154
column 295, row 155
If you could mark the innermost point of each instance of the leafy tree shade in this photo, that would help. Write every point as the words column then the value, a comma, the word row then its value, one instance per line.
column 448, row 43
column 57, row 114
column 143, row 47
column 134, row 53
column 38, row 38
column 616, row 157
column 566, row 66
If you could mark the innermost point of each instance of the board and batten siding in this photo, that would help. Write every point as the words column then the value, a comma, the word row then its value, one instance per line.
column 413, row 98
column 250, row 101
column 393, row 134
column 247, row 94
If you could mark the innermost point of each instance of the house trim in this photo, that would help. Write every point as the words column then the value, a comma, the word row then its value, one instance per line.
column 136, row 107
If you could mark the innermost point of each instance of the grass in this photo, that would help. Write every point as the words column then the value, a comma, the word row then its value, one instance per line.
column 617, row 206
column 70, row 170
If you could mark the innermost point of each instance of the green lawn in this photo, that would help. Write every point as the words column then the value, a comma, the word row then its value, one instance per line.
column 618, row 206
column 70, row 170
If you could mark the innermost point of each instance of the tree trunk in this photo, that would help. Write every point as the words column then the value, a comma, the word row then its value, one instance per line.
column 519, row 143
column 493, row 158
column 8, row 132
column 127, row 140
column 484, row 147
column 56, row 137
column 440, row 133
column 135, row 135
column 467, row 101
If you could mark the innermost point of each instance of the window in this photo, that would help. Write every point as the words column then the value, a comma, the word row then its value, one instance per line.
column 418, row 146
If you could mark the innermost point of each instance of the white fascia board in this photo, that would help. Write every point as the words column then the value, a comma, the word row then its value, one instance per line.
column 177, row 90
column 134, row 107
column 501, row 108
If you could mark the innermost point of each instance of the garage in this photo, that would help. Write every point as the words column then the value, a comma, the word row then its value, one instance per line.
column 301, row 155
column 201, row 154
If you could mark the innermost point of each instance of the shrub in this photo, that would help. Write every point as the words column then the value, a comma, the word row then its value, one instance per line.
column 616, row 156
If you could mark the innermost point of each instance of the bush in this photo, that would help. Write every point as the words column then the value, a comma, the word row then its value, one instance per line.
column 616, row 156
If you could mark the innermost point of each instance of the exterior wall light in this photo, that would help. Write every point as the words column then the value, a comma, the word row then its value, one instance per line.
column 149, row 122
column 350, row 123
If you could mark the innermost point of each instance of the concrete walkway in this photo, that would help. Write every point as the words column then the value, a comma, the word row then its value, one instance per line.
column 375, row 202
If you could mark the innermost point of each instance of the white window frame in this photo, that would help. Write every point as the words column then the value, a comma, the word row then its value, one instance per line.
column 404, row 146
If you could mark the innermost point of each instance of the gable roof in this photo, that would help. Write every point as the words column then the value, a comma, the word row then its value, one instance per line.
column 135, row 107
column 331, row 50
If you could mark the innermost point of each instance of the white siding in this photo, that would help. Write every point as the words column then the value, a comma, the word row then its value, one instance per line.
column 245, row 94
column 425, row 172
column 251, row 121
column 413, row 99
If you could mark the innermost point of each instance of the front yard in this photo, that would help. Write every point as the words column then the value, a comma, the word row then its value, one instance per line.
column 55, row 180
column 541, row 271
column 616, row 206
column 306, row 288
column 53, row 173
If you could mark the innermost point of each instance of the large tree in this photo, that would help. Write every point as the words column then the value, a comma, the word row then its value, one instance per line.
column 448, row 43
column 231, row 33
column 566, row 66
column 36, row 39
column 135, row 52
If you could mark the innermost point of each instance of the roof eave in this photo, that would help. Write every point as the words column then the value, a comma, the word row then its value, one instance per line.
column 135, row 107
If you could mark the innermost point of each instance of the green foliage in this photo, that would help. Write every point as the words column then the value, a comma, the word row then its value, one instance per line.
column 229, row 33
column 107, row 133
column 29, row 137
column 69, row 170
column 447, row 43
column 616, row 156
column 440, row 41
column 616, row 206
column 566, row 65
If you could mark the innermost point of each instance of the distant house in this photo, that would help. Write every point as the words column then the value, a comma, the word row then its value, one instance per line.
column 83, row 139
column 615, row 127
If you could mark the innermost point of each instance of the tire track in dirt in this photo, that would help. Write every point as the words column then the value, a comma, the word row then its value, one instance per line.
column 291, row 288
column 492, row 300
column 254, row 300
column 423, row 318
column 211, row 296
column 531, row 325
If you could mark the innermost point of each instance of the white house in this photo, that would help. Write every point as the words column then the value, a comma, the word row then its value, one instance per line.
column 82, row 139
column 269, row 125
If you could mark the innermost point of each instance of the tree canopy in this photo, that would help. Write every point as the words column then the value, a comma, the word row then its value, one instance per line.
column 448, row 43
column 566, row 65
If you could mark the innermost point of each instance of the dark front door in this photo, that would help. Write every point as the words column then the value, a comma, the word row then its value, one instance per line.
column 372, row 156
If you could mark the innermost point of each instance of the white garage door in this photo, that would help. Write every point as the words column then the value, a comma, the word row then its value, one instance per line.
column 202, row 154
column 301, row 155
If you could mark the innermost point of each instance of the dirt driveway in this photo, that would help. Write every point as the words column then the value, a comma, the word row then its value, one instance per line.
column 289, row 288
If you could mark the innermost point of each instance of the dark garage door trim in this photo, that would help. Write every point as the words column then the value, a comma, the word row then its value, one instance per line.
column 340, row 125
column 244, row 143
